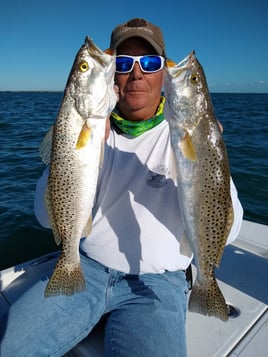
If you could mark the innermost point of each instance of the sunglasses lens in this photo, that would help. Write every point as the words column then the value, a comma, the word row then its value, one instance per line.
column 148, row 64
column 151, row 63
column 124, row 64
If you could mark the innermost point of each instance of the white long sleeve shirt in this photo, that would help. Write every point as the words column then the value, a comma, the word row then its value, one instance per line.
column 137, row 225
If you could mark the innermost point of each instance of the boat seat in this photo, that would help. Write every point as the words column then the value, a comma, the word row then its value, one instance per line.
column 92, row 345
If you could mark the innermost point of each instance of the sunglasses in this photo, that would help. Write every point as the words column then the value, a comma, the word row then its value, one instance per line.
column 148, row 63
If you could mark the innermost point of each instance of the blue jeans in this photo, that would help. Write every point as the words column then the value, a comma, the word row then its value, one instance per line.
column 146, row 316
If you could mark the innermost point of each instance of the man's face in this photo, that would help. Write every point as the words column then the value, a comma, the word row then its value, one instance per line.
column 139, row 92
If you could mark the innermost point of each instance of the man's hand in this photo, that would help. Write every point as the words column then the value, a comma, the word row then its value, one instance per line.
column 220, row 126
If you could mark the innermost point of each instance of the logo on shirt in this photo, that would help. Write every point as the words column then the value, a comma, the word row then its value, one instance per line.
column 157, row 177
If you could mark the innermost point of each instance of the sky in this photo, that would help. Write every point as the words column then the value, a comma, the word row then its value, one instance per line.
column 39, row 39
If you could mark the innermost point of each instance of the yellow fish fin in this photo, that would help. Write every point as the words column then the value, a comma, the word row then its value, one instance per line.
column 46, row 146
column 170, row 63
column 52, row 222
column 187, row 147
column 84, row 137
column 109, row 51
column 88, row 227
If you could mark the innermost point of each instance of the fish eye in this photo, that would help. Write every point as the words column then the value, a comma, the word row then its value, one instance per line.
column 194, row 78
column 83, row 66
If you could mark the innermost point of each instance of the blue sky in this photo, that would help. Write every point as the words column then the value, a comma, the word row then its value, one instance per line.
column 39, row 39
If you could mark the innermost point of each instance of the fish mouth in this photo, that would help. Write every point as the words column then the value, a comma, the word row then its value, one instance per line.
column 104, row 58
column 182, row 66
column 188, row 60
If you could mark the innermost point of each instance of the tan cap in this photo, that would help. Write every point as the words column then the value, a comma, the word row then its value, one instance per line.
column 139, row 28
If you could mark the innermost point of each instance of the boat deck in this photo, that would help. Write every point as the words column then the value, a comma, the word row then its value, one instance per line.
column 242, row 278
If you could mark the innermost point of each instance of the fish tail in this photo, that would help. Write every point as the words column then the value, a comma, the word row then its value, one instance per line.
column 207, row 299
column 66, row 279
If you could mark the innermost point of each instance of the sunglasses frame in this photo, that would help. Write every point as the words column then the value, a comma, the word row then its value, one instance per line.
column 138, row 59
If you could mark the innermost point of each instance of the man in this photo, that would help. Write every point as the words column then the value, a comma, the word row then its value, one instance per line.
column 135, row 258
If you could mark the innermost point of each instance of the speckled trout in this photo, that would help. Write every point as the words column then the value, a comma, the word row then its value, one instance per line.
column 203, row 178
column 74, row 151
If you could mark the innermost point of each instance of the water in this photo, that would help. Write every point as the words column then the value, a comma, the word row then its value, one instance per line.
column 25, row 118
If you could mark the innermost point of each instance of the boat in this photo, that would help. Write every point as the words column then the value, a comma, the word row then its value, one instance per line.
column 242, row 277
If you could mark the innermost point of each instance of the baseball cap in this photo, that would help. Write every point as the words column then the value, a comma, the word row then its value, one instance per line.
column 139, row 28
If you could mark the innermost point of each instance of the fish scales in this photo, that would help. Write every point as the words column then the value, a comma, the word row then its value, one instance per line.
column 75, row 158
column 203, row 178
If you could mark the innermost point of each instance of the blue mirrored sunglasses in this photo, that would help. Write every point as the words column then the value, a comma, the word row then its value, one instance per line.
column 148, row 64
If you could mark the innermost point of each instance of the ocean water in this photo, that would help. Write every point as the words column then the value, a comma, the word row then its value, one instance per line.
column 25, row 117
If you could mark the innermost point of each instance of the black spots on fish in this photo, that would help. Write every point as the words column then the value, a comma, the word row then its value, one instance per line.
column 67, row 279
column 60, row 183
column 207, row 299
column 212, row 160
column 215, row 193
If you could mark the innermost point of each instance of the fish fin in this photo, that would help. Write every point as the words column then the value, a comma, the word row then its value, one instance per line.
column 67, row 279
column 52, row 222
column 102, row 153
column 170, row 63
column 187, row 147
column 56, row 234
column 109, row 51
column 46, row 146
column 173, row 165
column 88, row 227
column 83, row 137
column 185, row 248
column 207, row 299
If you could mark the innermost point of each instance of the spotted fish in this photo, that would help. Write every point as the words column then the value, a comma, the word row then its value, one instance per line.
column 203, row 178
column 74, row 150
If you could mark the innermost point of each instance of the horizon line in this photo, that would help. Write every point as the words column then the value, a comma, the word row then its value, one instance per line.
column 62, row 91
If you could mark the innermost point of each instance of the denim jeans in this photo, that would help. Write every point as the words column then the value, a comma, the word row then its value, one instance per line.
column 146, row 315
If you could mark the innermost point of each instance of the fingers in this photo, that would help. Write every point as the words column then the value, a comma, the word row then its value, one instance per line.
column 220, row 126
column 116, row 90
column 107, row 128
